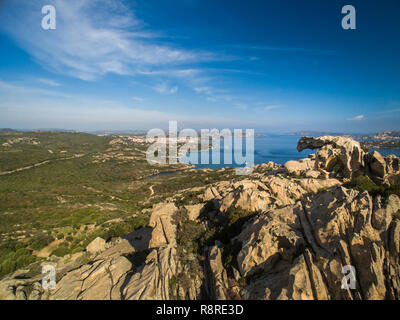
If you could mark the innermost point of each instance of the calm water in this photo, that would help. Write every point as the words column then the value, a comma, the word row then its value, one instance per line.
column 386, row 152
column 276, row 148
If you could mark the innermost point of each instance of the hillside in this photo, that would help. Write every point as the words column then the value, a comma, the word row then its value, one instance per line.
column 59, row 191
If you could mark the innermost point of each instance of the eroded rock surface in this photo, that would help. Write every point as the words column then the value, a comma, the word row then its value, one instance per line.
column 345, row 156
column 315, row 238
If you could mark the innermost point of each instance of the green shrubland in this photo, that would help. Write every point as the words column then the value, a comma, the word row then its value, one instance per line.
column 73, row 200
column 363, row 183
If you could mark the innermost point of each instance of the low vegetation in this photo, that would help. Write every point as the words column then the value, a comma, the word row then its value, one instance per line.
column 194, row 237
column 187, row 235
column 84, row 186
column 224, row 228
column 363, row 183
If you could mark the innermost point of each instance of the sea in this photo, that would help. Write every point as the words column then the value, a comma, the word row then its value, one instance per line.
column 278, row 148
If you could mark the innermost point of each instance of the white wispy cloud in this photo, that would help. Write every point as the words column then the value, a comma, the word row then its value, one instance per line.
column 213, row 94
column 32, row 112
column 176, row 73
column 357, row 118
column 20, row 90
column 49, row 82
column 241, row 106
column 165, row 89
column 93, row 38
column 205, row 90
column 139, row 99
column 271, row 107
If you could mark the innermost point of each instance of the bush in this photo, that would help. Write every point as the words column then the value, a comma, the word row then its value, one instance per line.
column 188, row 198
column 172, row 282
column 77, row 249
column 229, row 254
column 226, row 227
column 128, row 226
column 41, row 241
column 60, row 236
column 363, row 183
column 61, row 251
column 337, row 167
column 12, row 260
column 7, row 267
column 24, row 260
column 187, row 236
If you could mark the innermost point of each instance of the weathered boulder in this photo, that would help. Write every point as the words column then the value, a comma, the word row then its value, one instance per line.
column 194, row 211
column 392, row 169
column 293, row 282
column 217, row 278
column 298, row 252
column 346, row 156
column 151, row 281
column 161, row 220
column 158, row 278
column 392, row 164
column 315, row 174
column 268, row 238
column 300, row 166
column 377, row 165
column 210, row 194
column 258, row 195
column 101, row 279
column 341, row 152
column 269, row 166
column 8, row 288
column 96, row 246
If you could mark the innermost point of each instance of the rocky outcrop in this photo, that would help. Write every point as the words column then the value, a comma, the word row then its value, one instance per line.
column 298, row 252
column 101, row 280
column 152, row 280
column 344, row 153
column 296, row 230
column 345, row 158
column 392, row 170
column 164, row 230
column 194, row 211
column 260, row 194
column 301, row 166
column 96, row 246
column 377, row 165
column 217, row 280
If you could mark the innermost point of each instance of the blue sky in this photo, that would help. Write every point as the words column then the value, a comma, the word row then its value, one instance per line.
column 276, row 66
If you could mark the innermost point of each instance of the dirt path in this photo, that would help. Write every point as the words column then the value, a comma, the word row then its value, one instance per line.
column 39, row 164
column 46, row 251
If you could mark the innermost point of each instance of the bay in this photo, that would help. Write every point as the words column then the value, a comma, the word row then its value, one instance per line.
column 278, row 148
